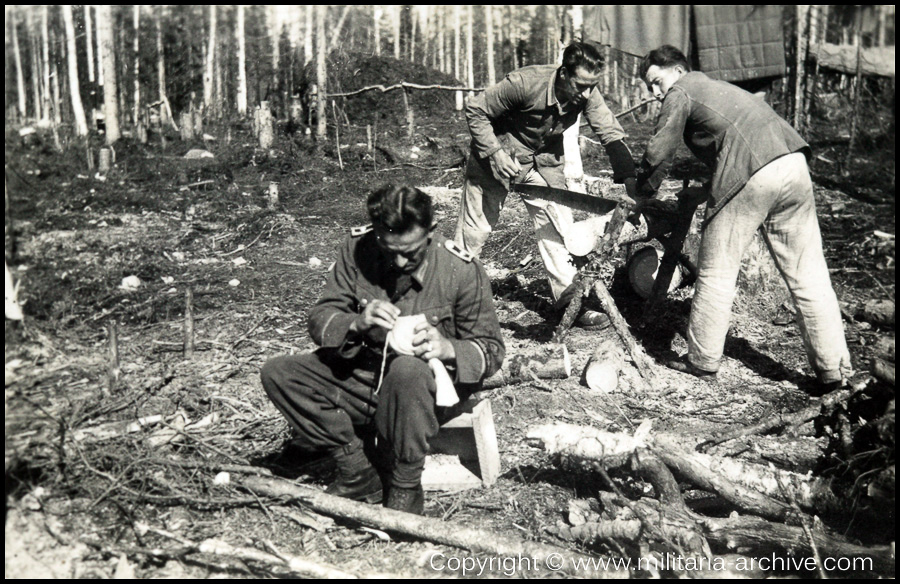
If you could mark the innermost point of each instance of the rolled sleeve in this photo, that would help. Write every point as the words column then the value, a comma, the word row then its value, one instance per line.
column 668, row 136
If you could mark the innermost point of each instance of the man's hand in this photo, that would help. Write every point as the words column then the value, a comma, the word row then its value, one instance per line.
column 377, row 313
column 504, row 165
column 429, row 343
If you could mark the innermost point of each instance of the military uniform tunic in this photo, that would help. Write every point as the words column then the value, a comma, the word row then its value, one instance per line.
column 326, row 394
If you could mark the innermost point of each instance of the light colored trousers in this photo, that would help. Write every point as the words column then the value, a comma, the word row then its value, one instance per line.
column 482, row 200
column 778, row 199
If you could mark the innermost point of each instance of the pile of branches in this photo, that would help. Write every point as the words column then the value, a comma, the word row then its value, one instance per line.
column 757, row 511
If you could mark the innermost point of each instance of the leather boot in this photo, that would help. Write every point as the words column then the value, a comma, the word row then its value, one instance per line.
column 406, row 500
column 356, row 479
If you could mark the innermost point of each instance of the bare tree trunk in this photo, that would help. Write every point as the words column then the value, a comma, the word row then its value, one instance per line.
column 395, row 24
column 89, row 35
column 164, row 112
column 308, row 39
column 100, row 80
column 45, row 65
column 440, row 23
column 276, row 54
column 457, row 25
column 489, row 38
column 294, row 39
column 219, row 99
column 242, row 64
column 110, row 91
column 210, row 57
column 376, row 17
column 470, row 32
column 857, row 87
column 801, row 45
column 77, row 108
column 412, row 34
column 137, row 64
column 36, row 88
column 321, row 72
column 20, row 76
column 336, row 33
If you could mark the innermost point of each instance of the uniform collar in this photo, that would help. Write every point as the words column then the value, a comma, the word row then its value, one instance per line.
column 420, row 274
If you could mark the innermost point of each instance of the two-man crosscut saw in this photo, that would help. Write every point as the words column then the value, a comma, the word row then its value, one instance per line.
column 566, row 198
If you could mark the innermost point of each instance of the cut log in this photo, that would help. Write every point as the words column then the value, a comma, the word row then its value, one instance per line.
column 588, row 446
column 878, row 312
column 549, row 362
column 429, row 529
column 602, row 371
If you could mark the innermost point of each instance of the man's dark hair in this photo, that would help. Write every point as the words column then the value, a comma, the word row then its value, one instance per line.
column 663, row 57
column 585, row 55
column 399, row 209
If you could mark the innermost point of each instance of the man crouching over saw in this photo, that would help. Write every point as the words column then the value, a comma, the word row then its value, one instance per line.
column 517, row 139
column 406, row 315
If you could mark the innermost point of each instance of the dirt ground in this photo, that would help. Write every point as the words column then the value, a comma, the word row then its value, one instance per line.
column 81, row 505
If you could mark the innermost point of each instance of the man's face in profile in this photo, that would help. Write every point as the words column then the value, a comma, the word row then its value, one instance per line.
column 574, row 88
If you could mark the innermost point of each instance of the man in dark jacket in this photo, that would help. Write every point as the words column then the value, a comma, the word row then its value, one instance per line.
column 517, row 130
column 396, row 266
column 760, row 180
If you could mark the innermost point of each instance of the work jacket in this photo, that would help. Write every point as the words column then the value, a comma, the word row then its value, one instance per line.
column 450, row 287
column 732, row 131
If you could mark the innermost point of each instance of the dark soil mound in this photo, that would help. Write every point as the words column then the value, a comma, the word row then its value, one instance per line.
column 352, row 71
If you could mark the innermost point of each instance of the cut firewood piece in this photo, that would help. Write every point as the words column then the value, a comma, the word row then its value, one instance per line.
column 427, row 528
column 602, row 371
column 549, row 362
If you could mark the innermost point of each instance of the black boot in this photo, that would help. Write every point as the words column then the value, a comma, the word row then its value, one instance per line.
column 406, row 500
column 356, row 479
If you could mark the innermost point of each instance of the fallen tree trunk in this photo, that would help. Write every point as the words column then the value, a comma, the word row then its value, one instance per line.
column 735, row 480
column 762, row 536
column 475, row 540
column 753, row 488
column 753, row 536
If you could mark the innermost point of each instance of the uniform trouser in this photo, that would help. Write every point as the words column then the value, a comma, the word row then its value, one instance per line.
column 779, row 199
column 480, row 205
column 327, row 398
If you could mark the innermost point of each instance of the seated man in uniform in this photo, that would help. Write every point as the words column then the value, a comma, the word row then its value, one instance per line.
column 396, row 266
